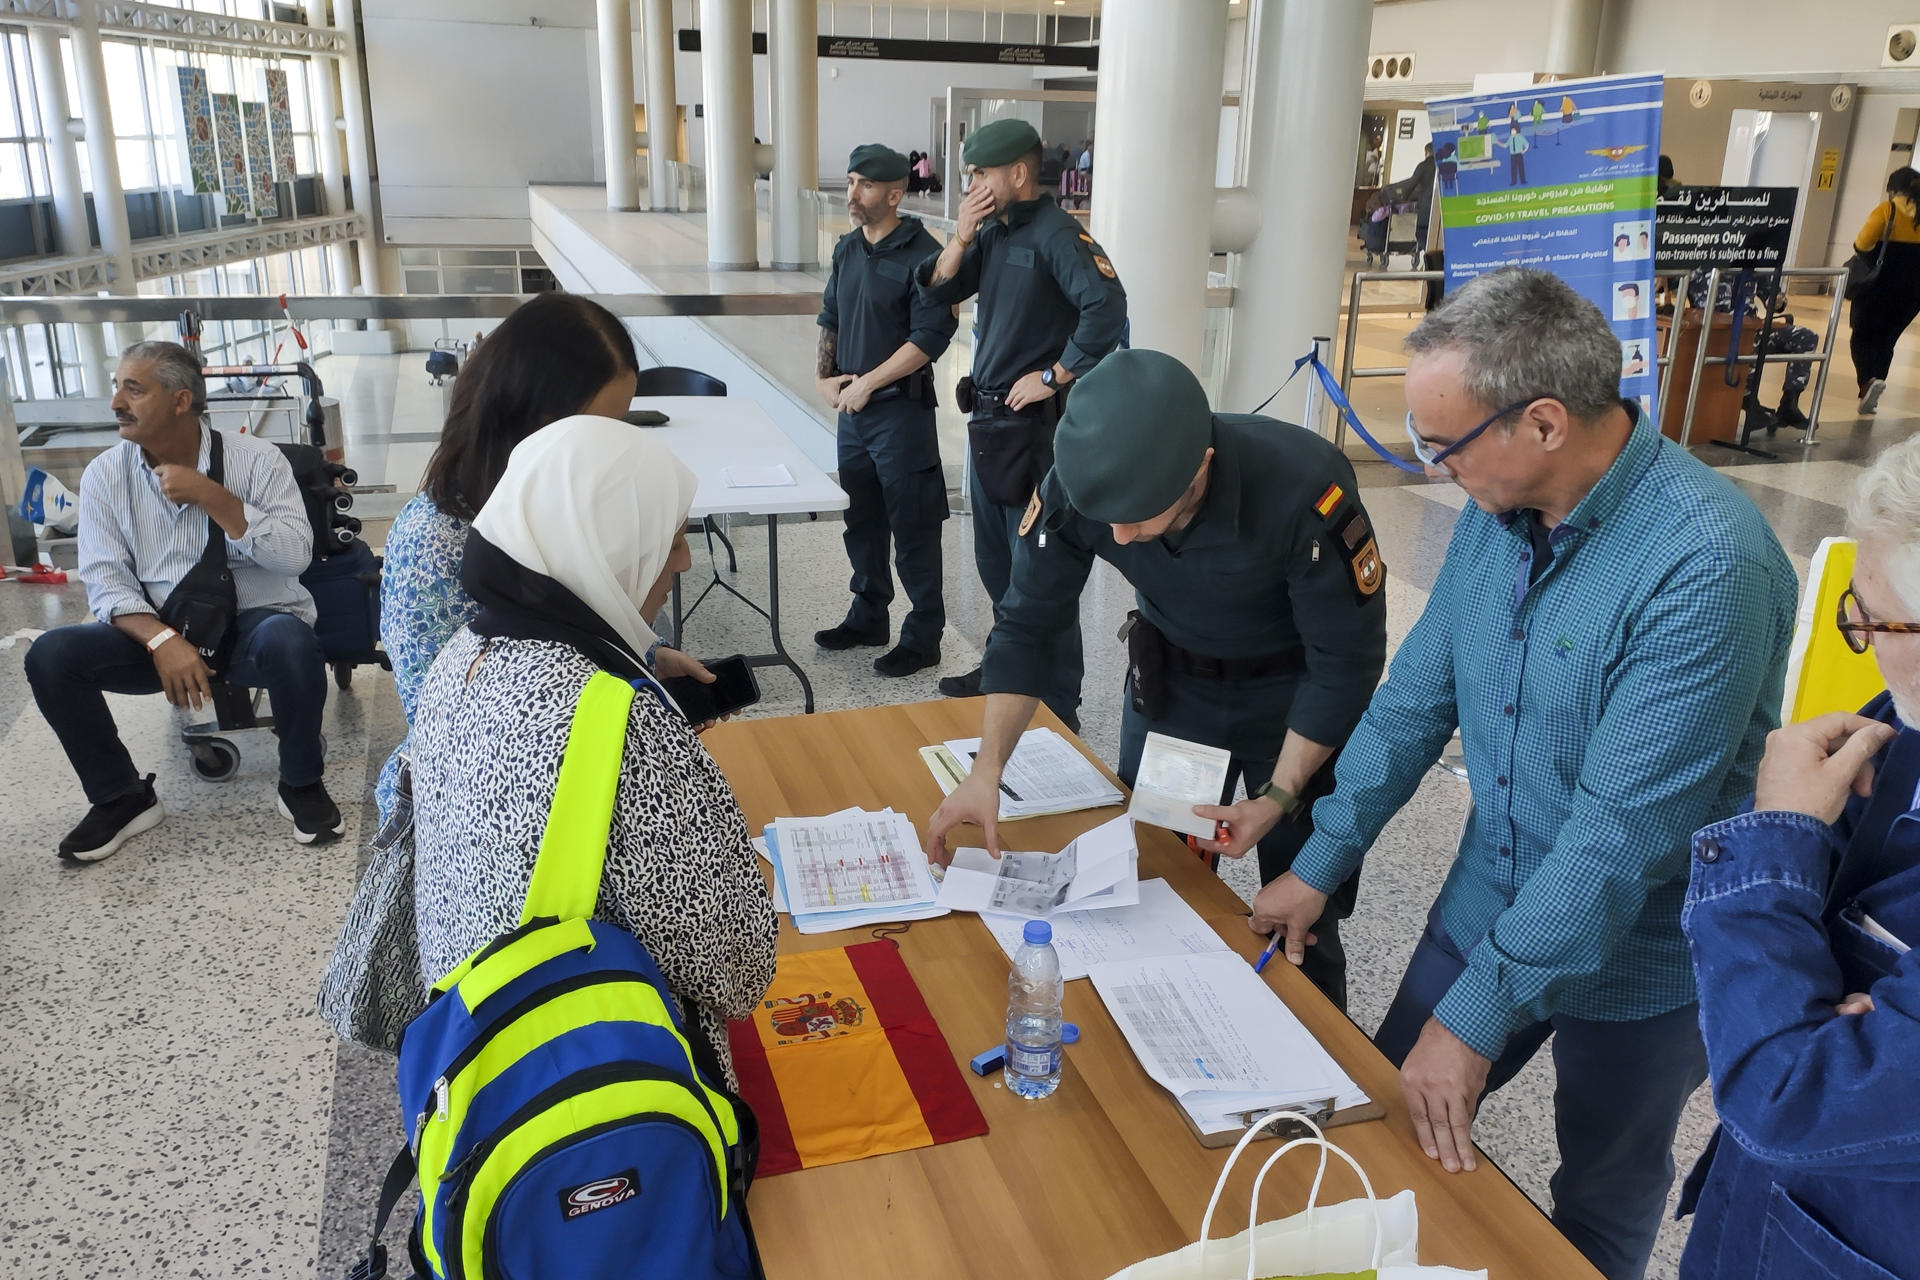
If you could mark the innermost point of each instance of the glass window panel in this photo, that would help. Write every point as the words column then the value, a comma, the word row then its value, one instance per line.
column 419, row 257
column 123, row 87
column 478, row 258
column 136, row 164
column 25, row 101
column 297, row 96
column 13, row 172
column 304, row 160
column 483, row 280
column 423, row 281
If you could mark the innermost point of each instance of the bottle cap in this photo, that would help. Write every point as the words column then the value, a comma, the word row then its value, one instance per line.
column 1037, row 932
column 1069, row 1032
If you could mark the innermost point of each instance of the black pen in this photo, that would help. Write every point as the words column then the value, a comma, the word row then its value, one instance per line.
column 1011, row 793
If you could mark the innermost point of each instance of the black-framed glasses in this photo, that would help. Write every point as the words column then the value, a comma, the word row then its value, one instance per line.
column 1859, row 627
column 1424, row 450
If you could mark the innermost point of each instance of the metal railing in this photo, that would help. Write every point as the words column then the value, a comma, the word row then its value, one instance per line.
column 451, row 306
column 1663, row 364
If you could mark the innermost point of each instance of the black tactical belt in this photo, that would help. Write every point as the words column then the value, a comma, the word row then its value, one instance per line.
column 1199, row 665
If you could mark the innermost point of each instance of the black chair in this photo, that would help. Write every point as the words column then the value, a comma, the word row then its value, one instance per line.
column 672, row 380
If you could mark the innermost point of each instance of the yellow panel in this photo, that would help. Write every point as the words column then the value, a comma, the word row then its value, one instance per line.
column 1823, row 674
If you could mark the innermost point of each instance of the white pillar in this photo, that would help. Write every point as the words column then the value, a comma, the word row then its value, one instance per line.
column 1299, row 113
column 1158, row 121
column 663, row 113
column 796, row 132
column 353, row 109
column 1573, row 37
column 726, row 72
column 69, row 197
column 326, row 141
column 616, row 103
column 103, row 160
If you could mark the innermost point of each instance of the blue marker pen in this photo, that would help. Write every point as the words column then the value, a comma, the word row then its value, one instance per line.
column 1273, row 945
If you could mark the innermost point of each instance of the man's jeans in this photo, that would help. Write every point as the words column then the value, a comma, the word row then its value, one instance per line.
column 72, row 668
column 1616, row 1105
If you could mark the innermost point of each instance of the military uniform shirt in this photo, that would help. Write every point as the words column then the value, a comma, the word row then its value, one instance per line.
column 1047, row 294
column 1265, row 567
column 871, row 303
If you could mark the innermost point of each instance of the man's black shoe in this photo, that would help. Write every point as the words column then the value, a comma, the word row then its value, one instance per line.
column 902, row 661
column 966, row 686
column 108, row 826
column 845, row 637
column 315, row 818
column 1788, row 414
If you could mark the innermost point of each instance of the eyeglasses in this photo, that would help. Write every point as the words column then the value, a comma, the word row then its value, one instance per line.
column 1425, row 451
column 1859, row 627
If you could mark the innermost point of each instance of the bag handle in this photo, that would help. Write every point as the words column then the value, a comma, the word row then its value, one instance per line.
column 573, row 848
column 216, row 549
column 1313, row 1197
column 1246, row 1139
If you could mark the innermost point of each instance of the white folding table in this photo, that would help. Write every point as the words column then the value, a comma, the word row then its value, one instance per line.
column 712, row 433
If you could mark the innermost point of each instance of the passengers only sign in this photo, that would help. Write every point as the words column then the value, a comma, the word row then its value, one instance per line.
column 1739, row 228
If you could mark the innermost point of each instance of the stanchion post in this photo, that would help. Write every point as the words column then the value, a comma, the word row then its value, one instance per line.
column 1316, row 394
column 1699, row 351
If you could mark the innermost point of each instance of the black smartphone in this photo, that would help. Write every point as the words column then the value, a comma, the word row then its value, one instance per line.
column 732, row 689
column 645, row 418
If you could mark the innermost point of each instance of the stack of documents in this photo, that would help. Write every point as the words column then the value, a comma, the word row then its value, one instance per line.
column 1210, row 1032
column 1174, row 776
column 1045, row 776
column 1099, row 870
column 850, row 870
column 1159, row 924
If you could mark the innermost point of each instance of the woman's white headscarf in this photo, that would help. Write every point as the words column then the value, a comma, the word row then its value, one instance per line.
column 595, row 504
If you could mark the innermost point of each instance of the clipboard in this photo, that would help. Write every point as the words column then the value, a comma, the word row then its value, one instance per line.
column 1321, row 1113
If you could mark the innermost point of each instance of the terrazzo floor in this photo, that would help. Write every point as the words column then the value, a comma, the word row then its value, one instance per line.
column 169, row 1105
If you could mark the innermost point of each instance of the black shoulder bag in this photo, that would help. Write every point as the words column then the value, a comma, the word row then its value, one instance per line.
column 1862, row 268
column 202, row 605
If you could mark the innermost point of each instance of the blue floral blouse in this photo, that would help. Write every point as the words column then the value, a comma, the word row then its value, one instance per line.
column 421, row 606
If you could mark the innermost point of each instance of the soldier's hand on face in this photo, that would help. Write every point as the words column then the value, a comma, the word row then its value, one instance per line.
column 830, row 388
column 1247, row 825
column 854, row 396
column 976, row 801
column 974, row 210
column 1029, row 390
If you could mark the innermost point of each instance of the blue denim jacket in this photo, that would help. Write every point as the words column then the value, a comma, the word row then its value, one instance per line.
column 1815, row 1170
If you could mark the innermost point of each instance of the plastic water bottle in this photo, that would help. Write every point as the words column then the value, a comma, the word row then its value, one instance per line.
column 1033, row 1014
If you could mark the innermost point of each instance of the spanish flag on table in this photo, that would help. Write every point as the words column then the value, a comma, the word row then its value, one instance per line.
column 842, row 1061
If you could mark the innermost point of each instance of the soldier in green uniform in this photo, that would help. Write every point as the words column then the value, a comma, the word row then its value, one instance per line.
column 879, row 336
column 1050, row 307
column 1262, row 622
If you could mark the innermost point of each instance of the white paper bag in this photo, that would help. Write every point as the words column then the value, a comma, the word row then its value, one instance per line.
column 1354, row 1235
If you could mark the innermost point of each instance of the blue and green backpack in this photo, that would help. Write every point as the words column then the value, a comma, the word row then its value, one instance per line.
column 559, row 1118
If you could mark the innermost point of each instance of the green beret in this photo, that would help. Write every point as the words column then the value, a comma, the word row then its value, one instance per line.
column 877, row 161
column 1132, row 437
column 1001, row 142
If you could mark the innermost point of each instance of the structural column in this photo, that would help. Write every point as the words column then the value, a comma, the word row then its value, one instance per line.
column 1573, row 37
column 1299, row 115
column 326, row 141
column 616, row 104
column 69, row 197
column 726, row 70
column 353, row 109
column 663, row 114
column 103, row 160
column 796, row 132
column 1158, row 121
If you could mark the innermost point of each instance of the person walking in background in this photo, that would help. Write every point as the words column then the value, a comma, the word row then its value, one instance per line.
column 1883, row 310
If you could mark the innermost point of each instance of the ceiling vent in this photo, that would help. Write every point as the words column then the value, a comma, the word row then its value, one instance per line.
column 1389, row 68
column 1903, row 45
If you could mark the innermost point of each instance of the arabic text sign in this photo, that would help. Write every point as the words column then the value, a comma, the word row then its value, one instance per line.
column 1743, row 227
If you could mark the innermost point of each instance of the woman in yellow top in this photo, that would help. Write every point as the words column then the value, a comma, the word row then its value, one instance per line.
column 1887, row 306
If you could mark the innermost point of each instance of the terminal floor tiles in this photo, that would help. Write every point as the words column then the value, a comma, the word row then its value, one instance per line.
column 169, row 1105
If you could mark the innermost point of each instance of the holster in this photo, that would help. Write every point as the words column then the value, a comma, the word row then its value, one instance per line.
column 1146, row 666
column 963, row 394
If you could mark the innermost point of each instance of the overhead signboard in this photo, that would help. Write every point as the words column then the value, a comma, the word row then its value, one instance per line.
column 887, row 49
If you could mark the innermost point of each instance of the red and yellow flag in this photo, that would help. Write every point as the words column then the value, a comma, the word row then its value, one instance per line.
column 842, row 1061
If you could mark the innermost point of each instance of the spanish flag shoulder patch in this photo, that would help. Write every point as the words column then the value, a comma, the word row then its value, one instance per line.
column 1329, row 500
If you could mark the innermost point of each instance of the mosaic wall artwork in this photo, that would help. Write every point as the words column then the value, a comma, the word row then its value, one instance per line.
column 280, row 126
column 196, row 115
column 266, row 196
column 230, row 139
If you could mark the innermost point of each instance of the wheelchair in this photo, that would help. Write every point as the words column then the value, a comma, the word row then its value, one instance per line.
column 344, row 580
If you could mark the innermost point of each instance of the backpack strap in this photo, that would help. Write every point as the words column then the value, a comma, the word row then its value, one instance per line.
column 573, row 849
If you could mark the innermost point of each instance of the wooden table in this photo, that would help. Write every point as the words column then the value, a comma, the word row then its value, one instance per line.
column 1104, row 1173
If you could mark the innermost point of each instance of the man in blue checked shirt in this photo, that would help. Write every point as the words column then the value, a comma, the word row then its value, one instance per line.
column 1608, row 631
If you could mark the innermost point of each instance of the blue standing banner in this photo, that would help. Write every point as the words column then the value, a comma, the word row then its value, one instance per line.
column 1561, row 177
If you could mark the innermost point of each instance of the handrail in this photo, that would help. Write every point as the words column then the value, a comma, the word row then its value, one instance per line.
column 446, row 306
column 1821, row 358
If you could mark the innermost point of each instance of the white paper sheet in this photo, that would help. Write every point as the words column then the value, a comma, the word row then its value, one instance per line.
column 774, row 477
column 1174, row 776
column 1098, row 870
column 779, row 893
column 1046, row 775
column 851, row 861
column 1210, row 1032
column 1160, row 924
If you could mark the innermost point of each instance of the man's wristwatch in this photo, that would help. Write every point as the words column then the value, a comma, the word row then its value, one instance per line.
column 1273, row 791
column 160, row 637
column 1046, row 377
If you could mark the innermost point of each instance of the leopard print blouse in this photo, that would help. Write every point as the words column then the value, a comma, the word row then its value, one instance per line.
column 680, row 875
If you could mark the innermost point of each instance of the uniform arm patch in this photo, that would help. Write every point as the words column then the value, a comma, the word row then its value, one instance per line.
column 1354, row 538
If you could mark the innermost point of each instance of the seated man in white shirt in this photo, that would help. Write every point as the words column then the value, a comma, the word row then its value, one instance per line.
column 145, row 505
